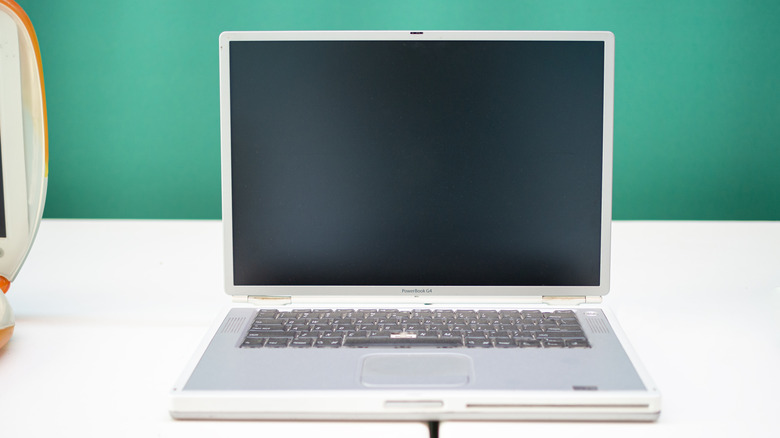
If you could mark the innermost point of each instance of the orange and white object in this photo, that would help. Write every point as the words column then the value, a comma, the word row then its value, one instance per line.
column 23, row 148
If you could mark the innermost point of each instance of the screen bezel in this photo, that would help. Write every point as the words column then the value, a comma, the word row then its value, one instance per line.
column 428, row 293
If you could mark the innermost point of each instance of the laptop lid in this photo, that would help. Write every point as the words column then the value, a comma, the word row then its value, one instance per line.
column 417, row 166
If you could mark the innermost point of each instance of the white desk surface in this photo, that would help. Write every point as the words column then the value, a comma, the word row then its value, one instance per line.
column 109, row 312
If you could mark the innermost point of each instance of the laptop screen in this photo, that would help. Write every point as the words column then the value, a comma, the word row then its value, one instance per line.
column 416, row 163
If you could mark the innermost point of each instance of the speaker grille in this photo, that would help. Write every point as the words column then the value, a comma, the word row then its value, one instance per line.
column 597, row 325
column 232, row 325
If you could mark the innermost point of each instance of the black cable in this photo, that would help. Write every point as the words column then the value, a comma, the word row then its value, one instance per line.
column 433, row 427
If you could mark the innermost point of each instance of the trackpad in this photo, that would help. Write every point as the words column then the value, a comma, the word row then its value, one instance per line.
column 416, row 370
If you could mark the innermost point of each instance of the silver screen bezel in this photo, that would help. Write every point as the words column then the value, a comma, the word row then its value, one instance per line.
column 427, row 293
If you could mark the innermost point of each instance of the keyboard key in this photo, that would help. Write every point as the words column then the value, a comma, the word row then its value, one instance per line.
column 529, row 344
column 253, row 343
column 554, row 343
column 329, row 342
column 302, row 342
column 577, row 343
column 277, row 342
column 482, row 343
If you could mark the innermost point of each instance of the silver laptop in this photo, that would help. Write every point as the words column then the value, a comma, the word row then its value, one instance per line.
column 416, row 227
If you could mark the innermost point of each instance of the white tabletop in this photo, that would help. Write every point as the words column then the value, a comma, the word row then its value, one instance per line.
column 109, row 312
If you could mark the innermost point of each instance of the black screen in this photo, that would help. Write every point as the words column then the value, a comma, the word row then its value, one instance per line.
column 416, row 163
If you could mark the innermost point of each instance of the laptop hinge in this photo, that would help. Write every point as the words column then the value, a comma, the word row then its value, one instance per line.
column 570, row 301
column 263, row 300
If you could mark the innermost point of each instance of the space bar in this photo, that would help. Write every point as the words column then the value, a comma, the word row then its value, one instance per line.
column 395, row 342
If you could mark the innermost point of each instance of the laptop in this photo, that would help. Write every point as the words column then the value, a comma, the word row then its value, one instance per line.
column 416, row 227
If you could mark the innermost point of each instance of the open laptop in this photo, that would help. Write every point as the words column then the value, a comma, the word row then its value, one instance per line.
column 416, row 227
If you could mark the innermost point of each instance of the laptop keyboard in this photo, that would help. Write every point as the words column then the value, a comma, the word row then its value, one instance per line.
column 432, row 328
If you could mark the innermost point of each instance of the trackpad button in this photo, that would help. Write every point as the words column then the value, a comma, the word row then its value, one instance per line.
column 416, row 370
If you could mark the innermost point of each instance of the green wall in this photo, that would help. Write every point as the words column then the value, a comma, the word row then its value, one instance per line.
column 132, row 93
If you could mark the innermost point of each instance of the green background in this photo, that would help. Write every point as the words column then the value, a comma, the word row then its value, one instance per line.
column 132, row 94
